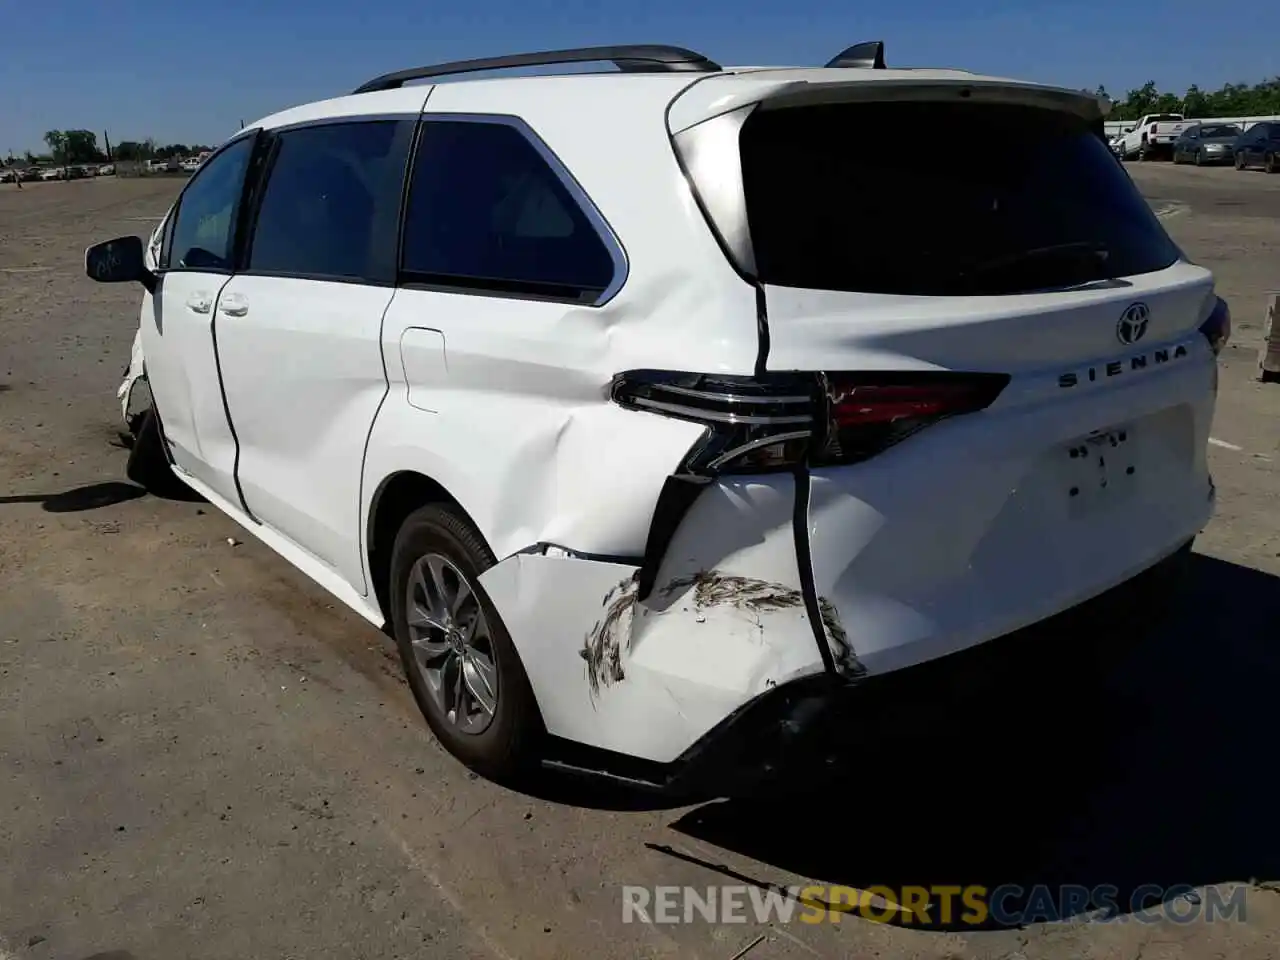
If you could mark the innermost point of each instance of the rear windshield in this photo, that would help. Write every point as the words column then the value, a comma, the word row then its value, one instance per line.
column 975, row 199
column 1220, row 130
column 1165, row 118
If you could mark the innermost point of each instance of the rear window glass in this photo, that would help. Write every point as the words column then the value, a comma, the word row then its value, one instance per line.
column 974, row 199
column 1164, row 118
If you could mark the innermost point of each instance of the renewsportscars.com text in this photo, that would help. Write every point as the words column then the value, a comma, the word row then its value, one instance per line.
column 1007, row 905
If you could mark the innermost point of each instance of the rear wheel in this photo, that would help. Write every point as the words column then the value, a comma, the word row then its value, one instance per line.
column 461, row 664
column 1142, row 150
column 1269, row 163
column 1239, row 160
column 1199, row 159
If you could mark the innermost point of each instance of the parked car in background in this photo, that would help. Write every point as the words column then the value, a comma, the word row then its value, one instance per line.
column 107, row 170
column 1206, row 143
column 1259, row 146
column 10, row 175
column 52, row 173
column 1153, row 136
column 32, row 174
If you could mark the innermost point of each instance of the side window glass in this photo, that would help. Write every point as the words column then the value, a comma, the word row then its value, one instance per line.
column 203, row 233
column 487, row 211
column 332, row 191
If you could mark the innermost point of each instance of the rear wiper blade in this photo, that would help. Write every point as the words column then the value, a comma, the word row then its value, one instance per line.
column 1081, row 251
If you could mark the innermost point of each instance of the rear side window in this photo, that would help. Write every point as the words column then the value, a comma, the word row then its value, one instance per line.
column 331, row 201
column 487, row 212
column 973, row 199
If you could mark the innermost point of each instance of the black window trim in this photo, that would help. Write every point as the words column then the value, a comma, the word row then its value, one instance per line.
column 516, row 290
column 254, row 134
column 388, row 241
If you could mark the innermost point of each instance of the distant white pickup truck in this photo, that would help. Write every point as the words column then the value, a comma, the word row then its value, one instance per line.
column 1152, row 135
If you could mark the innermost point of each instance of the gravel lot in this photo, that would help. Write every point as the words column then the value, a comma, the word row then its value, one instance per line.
column 201, row 755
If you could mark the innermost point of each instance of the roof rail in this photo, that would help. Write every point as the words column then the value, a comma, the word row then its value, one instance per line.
column 868, row 55
column 634, row 58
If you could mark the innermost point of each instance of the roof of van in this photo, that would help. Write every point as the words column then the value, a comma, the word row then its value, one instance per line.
column 688, row 97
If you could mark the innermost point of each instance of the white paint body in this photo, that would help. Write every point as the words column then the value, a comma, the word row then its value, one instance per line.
column 950, row 539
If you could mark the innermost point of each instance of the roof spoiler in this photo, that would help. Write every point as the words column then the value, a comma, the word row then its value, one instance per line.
column 867, row 56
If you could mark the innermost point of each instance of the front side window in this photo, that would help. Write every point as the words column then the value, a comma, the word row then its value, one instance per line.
column 487, row 212
column 330, row 201
column 204, row 228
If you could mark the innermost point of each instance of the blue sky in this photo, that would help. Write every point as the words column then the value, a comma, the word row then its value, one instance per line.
column 191, row 70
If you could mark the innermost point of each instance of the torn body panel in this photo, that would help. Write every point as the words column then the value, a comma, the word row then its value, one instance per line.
column 725, row 623
column 133, row 373
column 136, row 371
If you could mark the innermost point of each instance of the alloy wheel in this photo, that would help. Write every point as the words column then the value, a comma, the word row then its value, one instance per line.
column 453, row 648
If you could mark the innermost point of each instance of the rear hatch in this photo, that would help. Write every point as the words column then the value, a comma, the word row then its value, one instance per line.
column 921, row 248
column 983, row 236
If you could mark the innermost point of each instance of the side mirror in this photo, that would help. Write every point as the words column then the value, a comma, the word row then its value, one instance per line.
column 119, row 261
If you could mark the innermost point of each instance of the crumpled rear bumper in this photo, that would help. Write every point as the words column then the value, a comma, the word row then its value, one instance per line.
column 646, row 677
column 799, row 731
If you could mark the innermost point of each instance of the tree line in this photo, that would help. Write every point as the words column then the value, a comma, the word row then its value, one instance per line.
column 1231, row 100
column 81, row 146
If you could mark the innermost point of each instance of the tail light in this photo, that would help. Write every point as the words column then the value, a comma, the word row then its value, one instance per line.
column 1217, row 329
column 780, row 421
column 866, row 414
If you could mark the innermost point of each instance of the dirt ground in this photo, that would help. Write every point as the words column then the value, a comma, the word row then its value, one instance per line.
column 202, row 755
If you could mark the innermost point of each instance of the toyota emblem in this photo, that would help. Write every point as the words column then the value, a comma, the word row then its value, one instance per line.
column 1133, row 323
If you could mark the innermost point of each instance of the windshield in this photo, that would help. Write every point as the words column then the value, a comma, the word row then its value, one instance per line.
column 828, row 208
column 1220, row 130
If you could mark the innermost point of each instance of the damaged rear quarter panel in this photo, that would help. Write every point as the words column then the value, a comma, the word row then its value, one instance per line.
column 725, row 622
column 511, row 411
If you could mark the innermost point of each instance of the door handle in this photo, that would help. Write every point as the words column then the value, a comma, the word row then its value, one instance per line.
column 199, row 303
column 233, row 305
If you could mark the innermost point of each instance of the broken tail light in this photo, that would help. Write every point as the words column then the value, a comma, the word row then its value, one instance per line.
column 1217, row 329
column 754, row 424
column 780, row 421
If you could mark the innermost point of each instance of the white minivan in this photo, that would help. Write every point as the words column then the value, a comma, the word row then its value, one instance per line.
column 652, row 409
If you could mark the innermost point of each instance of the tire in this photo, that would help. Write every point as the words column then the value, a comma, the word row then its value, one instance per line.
column 148, row 465
column 1142, row 152
column 1199, row 159
column 1239, row 161
column 1269, row 163
column 435, row 547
